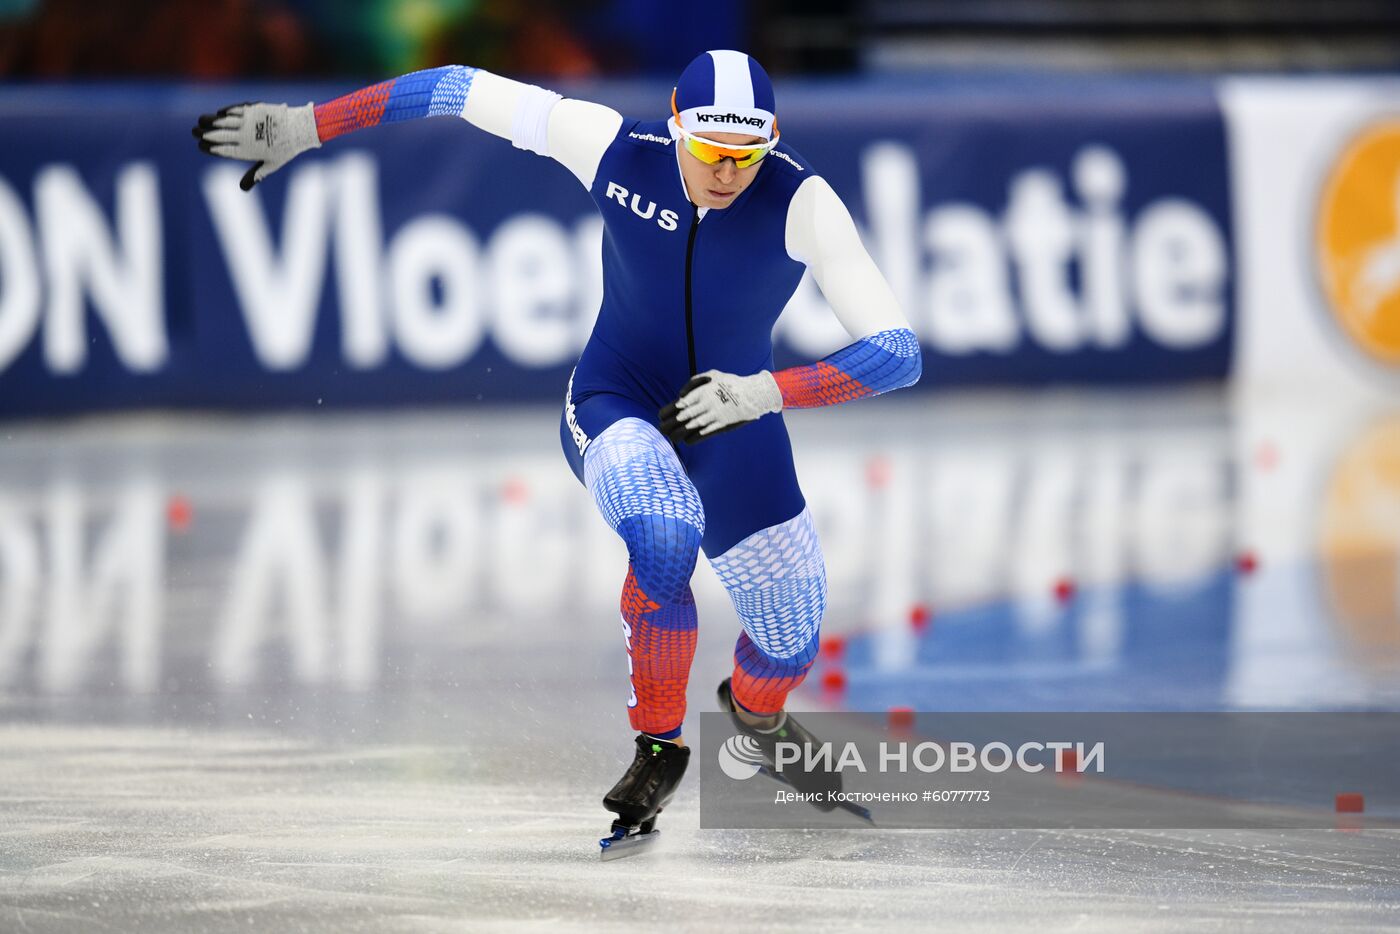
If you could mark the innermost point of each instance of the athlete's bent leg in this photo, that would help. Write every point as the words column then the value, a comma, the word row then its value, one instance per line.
column 777, row 581
column 644, row 494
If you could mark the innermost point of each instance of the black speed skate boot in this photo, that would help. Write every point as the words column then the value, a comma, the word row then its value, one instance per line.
column 818, row 782
column 641, row 793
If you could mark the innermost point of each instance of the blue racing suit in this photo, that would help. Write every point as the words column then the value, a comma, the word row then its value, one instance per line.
column 683, row 294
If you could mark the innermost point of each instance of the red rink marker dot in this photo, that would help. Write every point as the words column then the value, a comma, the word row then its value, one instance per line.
column 877, row 473
column 919, row 616
column 179, row 513
column 1246, row 562
column 833, row 647
column 514, row 490
column 1266, row 455
column 834, row 680
column 1351, row 802
column 901, row 718
column 1064, row 589
column 1068, row 766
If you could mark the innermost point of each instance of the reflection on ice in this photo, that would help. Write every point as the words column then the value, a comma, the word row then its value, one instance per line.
column 322, row 552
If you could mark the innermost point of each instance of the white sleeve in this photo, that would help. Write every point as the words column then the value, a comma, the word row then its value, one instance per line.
column 821, row 234
column 573, row 133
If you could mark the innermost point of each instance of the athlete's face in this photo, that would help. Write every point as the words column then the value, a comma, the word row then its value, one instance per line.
column 716, row 186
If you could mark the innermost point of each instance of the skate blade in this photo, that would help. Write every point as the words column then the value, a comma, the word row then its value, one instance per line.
column 858, row 811
column 619, row 847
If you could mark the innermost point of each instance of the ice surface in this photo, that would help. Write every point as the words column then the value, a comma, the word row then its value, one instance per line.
column 372, row 678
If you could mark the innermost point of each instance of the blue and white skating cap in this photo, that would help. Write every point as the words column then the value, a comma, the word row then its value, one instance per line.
column 725, row 92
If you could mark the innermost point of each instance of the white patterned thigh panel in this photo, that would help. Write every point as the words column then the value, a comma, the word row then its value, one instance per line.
column 631, row 470
column 777, row 581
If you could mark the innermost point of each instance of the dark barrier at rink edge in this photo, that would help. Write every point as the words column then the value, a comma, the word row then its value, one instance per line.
column 1059, row 770
column 1034, row 233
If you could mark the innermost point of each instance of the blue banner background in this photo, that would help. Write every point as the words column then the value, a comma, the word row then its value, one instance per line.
column 968, row 141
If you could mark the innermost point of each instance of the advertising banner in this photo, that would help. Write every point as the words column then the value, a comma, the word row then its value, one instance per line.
column 1316, row 166
column 1033, row 236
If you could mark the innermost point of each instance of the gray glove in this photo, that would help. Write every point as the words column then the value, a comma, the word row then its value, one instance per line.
column 268, row 135
column 714, row 402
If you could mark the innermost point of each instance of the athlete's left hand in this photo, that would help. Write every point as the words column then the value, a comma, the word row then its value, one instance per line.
column 714, row 402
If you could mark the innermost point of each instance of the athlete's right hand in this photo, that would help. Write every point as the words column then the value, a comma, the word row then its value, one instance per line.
column 268, row 135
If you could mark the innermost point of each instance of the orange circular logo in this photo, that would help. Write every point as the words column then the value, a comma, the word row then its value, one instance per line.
column 1360, row 539
column 1358, row 240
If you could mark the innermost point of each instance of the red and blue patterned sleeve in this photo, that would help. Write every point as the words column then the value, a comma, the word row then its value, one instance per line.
column 872, row 365
column 430, row 93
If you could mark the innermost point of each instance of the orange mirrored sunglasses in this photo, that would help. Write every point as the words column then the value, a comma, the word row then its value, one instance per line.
column 712, row 153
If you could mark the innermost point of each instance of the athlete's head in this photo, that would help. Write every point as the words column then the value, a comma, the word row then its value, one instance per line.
column 724, row 124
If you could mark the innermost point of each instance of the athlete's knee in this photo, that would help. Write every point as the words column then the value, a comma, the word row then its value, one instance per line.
column 662, row 551
column 787, row 633
column 777, row 580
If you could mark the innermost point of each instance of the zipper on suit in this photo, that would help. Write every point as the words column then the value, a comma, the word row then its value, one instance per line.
column 689, row 301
